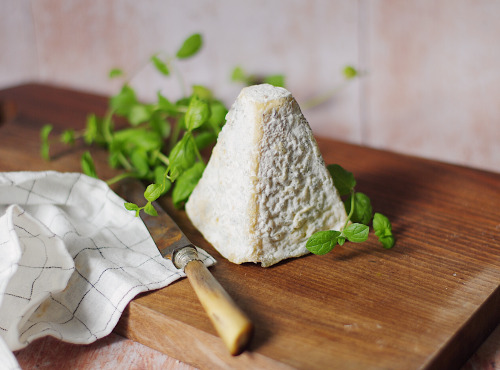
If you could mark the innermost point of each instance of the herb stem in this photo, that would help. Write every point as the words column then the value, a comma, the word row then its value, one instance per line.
column 124, row 162
column 120, row 177
column 162, row 157
column 198, row 154
column 175, row 135
column 351, row 211
column 107, row 126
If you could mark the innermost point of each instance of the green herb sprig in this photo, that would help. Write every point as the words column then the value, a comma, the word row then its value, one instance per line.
column 240, row 75
column 359, row 215
column 162, row 142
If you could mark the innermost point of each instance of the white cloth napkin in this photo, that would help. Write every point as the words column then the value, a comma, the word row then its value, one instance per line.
column 71, row 259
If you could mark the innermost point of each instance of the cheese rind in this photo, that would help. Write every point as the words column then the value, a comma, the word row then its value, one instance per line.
column 265, row 189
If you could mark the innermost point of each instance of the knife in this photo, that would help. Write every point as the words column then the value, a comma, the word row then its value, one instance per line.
column 230, row 322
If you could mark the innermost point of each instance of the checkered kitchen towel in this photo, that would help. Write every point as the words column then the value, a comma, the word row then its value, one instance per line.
column 71, row 258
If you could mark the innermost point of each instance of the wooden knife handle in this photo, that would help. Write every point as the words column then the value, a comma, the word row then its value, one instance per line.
column 231, row 323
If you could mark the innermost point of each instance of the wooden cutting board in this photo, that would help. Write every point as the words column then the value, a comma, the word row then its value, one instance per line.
column 427, row 303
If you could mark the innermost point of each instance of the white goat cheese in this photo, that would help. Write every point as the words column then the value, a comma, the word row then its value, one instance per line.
column 265, row 189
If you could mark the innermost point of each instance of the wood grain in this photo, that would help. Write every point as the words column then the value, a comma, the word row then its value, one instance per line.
column 427, row 303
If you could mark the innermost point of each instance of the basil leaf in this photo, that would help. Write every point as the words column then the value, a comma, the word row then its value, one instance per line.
column 204, row 139
column 183, row 154
column 160, row 125
column 87, row 164
column 139, row 113
column 131, row 206
column 123, row 101
column 275, row 80
column 218, row 112
column 190, row 46
column 45, row 146
column 202, row 92
column 342, row 179
column 165, row 105
column 186, row 183
column 139, row 159
column 238, row 74
column 160, row 65
column 197, row 113
column 153, row 192
column 356, row 233
column 150, row 209
column 350, row 72
column 115, row 72
column 362, row 208
column 159, row 178
column 322, row 242
column 133, row 138
column 68, row 137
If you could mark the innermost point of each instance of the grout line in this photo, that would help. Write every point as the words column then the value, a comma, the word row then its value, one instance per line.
column 35, row 36
column 363, row 47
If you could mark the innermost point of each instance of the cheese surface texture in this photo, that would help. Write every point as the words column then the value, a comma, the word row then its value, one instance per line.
column 265, row 189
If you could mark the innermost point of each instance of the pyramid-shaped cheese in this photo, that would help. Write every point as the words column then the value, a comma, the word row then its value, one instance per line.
column 265, row 189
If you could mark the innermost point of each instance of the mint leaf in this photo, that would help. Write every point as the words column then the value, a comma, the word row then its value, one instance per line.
column 383, row 230
column 356, row 233
column 87, row 164
column 322, row 242
column 160, row 65
column 186, row 183
column 153, row 192
column 197, row 113
column 381, row 225
column 150, row 209
column 342, row 179
column 362, row 208
column 190, row 46
column 45, row 145
column 387, row 241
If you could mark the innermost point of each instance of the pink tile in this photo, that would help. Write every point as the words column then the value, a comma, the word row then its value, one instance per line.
column 309, row 42
column 18, row 59
column 434, row 80
column 111, row 352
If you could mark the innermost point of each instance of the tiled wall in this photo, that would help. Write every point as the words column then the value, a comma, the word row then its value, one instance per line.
column 432, row 82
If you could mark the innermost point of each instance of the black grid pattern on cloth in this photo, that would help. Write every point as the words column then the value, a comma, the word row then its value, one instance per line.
column 90, row 307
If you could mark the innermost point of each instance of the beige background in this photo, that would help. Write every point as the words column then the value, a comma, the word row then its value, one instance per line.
column 432, row 86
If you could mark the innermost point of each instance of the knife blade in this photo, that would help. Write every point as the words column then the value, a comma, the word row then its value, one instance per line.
column 231, row 323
